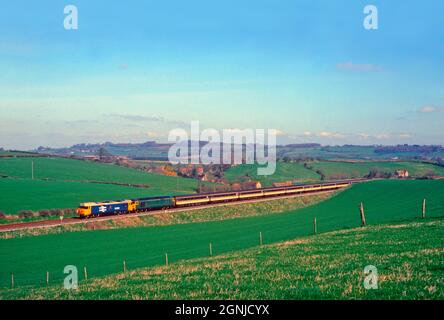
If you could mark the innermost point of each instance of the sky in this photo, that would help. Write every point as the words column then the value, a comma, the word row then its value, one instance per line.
column 135, row 70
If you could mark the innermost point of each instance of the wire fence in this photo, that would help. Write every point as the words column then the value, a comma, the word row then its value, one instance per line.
column 205, row 240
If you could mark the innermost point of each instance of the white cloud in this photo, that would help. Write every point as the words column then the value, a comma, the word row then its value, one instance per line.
column 153, row 134
column 428, row 109
column 364, row 136
column 383, row 136
column 143, row 118
column 350, row 66
column 404, row 135
column 327, row 134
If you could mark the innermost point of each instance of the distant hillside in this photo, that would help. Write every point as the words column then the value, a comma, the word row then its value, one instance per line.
column 152, row 150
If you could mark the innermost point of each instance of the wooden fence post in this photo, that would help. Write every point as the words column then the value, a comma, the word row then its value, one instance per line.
column 124, row 266
column 47, row 277
column 166, row 259
column 361, row 209
column 260, row 238
column 85, row 273
column 12, row 281
column 315, row 229
column 423, row 208
column 211, row 249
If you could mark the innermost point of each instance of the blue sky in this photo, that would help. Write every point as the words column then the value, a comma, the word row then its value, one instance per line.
column 134, row 70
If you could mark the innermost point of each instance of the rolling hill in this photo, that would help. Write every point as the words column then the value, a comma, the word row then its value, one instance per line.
column 346, row 170
column 284, row 172
column 64, row 183
column 408, row 258
column 63, row 169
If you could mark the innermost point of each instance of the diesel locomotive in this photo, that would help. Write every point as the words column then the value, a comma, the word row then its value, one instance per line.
column 94, row 209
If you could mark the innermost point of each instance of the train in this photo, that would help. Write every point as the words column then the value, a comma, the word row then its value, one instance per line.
column 116, row 207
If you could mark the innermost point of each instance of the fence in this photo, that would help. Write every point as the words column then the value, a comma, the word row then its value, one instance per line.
column 166, row 245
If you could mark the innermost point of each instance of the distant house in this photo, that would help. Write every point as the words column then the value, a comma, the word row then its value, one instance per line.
column 283, row 184
column 186, row 171
column 236, row 186
column 91, row 158
column 251, row 185
column 401, row 173
column 200, row 171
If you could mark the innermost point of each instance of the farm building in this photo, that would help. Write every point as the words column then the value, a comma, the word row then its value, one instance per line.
column 283, row 184
column 252, row 185
column 236, row 186
column 401, row 174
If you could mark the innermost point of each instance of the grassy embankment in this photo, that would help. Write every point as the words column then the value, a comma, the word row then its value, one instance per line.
column 409, row 259
column 163, row 218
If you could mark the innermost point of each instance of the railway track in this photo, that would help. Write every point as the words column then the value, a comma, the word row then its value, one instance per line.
column 73, row 221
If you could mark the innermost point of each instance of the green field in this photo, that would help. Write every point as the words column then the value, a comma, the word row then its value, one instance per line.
column 77, row 170
column 349, row 152
column 7, row 154
column 344, row 170
column 103, row 251
column 63, row 183
column 284, row 172
column 332, row 170
column 16, row 194
column 409, row 258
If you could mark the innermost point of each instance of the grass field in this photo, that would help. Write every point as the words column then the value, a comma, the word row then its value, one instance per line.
column 23, row 194
column 409, row 259
column 344, row 170
column 103, row 251
column 284, row 172
column 77, row 170
column 63, row 183
column 349, row 152
column 331, row 170
column 4, row 153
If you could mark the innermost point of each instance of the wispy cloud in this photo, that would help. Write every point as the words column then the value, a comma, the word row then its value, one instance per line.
column 383, row 136
column 327, row 134
column 320, row 134
column 358, row 67
column 428, row 109
column 142, row 118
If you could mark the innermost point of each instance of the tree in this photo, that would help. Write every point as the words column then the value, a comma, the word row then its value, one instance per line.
column 44, row 213
column 26, row 214
column 103, row 153
column 321, row 173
